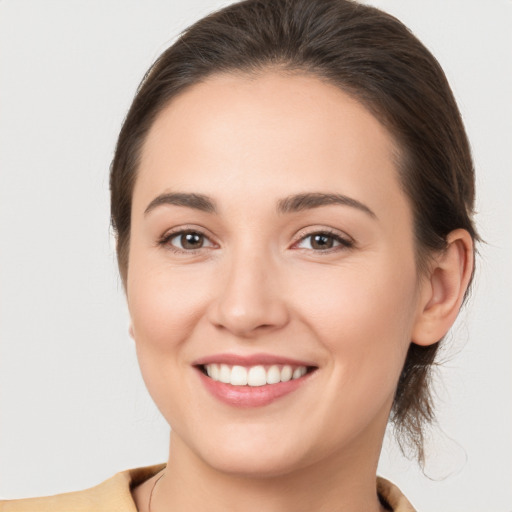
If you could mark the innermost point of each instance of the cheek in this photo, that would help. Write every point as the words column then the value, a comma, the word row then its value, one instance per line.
column 164, row 305
column 363, row 315
column 363, row 319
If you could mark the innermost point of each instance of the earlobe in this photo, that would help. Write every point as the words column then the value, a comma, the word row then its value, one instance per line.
column 444, row 289
column 130, row 331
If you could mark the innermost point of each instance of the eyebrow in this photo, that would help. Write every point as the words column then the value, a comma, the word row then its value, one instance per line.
column 195, row 201
column 300, row 202
column 290, row 204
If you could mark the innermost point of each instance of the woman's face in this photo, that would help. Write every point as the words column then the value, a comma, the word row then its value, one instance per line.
column 270, row 236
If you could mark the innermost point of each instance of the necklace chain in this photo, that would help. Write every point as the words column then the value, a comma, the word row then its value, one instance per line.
column 152, row 489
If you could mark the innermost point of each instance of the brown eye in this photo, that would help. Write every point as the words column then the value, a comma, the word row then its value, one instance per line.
column 323, row 242
column 191, row 240
column 188, row 241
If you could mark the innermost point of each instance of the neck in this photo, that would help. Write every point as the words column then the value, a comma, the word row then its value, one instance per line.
column 344, row 481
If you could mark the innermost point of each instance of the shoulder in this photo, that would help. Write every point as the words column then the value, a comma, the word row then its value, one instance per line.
column 112, row 495
column 393, row 496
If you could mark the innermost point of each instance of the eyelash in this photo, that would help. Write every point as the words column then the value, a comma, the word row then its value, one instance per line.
column 344, row 243
column 165, row 240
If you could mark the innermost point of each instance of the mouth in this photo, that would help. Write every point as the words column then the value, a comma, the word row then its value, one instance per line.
column 254, row 376
column 252, row 381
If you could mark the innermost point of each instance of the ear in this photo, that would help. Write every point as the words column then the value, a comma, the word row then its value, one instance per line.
column 443, row 289
column 130, row 331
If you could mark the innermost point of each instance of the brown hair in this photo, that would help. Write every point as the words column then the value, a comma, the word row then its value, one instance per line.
column 370, row 55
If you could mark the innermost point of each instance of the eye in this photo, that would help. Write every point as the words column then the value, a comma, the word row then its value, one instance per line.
column 323, row 241
column 186, row 241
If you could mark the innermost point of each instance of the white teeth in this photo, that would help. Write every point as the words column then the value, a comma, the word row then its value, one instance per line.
column 238, row 376
column 257, row 376
column 273, row 375
column 225, row 373
column 214, row 371
column 299, row 372
column 286, row 373
column 254, row 375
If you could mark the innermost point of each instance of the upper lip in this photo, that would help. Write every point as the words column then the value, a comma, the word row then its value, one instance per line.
column 250, row 360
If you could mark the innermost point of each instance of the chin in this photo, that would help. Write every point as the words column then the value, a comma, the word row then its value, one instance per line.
column 250, row 458
column 266, row 466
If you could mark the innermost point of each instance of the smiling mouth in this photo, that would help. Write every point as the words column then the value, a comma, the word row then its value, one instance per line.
column 254, row 376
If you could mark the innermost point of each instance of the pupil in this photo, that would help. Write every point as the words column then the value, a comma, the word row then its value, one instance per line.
column 322, row 242
column 191, row 240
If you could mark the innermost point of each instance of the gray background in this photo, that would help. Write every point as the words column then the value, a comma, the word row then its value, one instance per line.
column 73, row 407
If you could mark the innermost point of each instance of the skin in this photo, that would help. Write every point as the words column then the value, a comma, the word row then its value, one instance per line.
column 257, row 285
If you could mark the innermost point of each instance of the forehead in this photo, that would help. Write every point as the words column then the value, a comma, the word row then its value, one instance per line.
column 269, row 134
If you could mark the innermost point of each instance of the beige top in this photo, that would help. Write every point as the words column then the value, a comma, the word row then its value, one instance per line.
column 114, row 495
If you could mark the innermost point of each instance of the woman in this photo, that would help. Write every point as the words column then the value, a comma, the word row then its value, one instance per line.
column 292, row 193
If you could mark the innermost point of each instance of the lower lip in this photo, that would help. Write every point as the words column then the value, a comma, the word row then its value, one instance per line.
column 250, row 396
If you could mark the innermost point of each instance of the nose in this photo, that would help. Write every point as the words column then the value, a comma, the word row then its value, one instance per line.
column 250, row 298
